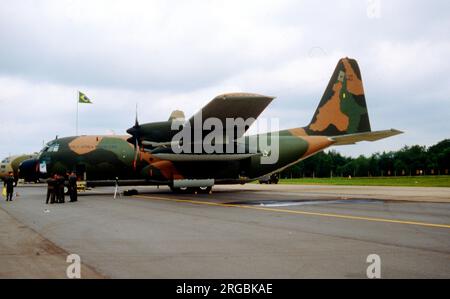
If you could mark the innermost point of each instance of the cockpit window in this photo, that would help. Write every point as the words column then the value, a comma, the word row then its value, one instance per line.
column 45, row 149
column 52, row 148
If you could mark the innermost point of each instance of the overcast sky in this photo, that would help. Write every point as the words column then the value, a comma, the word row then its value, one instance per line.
column 167, row 55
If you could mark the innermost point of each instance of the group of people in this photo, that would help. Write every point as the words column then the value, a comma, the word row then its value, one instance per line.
column 55, row 188
column 8, row 183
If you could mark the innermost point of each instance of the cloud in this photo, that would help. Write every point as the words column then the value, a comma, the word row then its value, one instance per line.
column 167, row 55
column 146, row 45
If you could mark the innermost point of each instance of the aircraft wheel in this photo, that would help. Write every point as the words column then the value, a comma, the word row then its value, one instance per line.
column 130, row 192
column 179, row 189
column 192, row 190
column 205, row 190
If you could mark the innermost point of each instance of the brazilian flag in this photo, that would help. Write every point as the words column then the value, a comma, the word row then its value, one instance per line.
column 82, row 98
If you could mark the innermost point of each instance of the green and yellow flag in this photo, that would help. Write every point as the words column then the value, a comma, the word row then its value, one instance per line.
column 82, row 98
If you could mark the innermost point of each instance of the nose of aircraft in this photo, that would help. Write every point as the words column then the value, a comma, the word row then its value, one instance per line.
column 29, row 169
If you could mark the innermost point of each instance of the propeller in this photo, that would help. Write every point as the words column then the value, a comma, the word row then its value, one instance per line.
column 135, row 138
column 136, row 151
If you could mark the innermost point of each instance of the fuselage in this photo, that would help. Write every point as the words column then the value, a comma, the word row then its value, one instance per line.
column 102, row 159
column 151, row 152
column 91, row 157
column 11, row 164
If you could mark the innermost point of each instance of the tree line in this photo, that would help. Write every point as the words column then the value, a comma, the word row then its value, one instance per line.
column 408, row 161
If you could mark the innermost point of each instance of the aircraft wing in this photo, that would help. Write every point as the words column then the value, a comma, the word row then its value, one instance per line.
column 234, row 105
column 365, row 136
column 202, row 157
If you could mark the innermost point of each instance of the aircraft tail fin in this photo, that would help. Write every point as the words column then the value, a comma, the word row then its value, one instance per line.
column 342, row 109
column 177, row 115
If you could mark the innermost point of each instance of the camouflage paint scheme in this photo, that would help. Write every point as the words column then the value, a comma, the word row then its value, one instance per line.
column 102, row 157
column 12, row 164
column 342, row 113
column 112, row 156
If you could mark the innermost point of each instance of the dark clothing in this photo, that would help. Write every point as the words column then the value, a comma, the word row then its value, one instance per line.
column 9, row 184
column 60, row 188
column 50, row 191
column 73, row 187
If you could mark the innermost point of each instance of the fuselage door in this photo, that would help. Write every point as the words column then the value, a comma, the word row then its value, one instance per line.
column 80, row 170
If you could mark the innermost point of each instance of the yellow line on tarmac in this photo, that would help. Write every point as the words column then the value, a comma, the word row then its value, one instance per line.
column 298, row 212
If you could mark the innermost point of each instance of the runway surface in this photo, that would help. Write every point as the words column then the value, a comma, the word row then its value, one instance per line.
column 249, row 231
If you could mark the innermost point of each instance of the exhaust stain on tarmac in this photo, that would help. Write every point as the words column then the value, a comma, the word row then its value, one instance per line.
column 297, row 212
column 288, row 203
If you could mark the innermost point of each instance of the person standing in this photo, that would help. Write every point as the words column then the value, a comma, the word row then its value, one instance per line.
column 54, row 196
column 73, row 187
column 9, row 184
column 50, row 190
column 60, row 186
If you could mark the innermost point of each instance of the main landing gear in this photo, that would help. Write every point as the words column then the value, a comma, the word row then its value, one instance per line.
column 192, row 190
column 130, row 192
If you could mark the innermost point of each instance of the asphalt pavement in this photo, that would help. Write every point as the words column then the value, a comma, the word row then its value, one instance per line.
column 250, row 231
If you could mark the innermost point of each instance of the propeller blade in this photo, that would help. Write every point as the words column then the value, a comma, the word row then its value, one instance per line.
column 136, row 122
column 136, row 150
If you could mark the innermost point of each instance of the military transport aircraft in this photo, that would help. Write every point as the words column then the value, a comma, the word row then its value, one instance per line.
column 11, row 164
column 211, row 147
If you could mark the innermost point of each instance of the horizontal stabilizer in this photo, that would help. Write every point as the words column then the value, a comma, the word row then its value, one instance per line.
column 366, row 136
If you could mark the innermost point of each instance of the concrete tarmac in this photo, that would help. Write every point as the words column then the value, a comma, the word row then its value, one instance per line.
column 24, row 253
column 249, row 231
